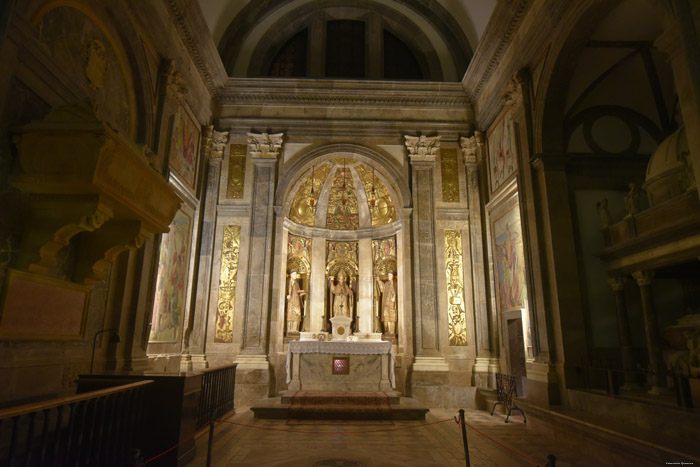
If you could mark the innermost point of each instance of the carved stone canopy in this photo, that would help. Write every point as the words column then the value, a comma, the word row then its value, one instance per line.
column 422, row 148
column 82, row 177
column 264, row 145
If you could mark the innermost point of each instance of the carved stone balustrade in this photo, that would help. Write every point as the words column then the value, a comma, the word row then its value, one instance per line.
column 81, row 176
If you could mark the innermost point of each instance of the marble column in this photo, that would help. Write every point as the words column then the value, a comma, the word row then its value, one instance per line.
column 263, row 150
column 197, row 330
column 485, row 345
column 365, row 287
column 651, row 327
column 422, row 152
column 617, row 284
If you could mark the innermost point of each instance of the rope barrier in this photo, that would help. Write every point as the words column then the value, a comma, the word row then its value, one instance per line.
column 514, row 451
column 192, row 436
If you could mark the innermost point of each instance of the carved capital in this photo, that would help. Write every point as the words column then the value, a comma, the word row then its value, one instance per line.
column 469, row 150
column 422, row 148
column 213, row 142
column 264, row 145
column 175, row 85
column 617, row 284
column 643, row 278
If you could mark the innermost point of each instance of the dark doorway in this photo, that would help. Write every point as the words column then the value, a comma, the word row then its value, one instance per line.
column 516, row 353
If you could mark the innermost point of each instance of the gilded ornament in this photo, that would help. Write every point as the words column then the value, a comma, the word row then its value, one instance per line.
column 303, row 210
column 342, row 203
column 236, row 171
column 454, row 272
column 450, row 175
column 227, row 284
column 383, row 211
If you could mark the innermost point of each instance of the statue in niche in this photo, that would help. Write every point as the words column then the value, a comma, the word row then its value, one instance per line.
column 294, row 303
column 632, row 200
column 342, row 296
column 387, row 289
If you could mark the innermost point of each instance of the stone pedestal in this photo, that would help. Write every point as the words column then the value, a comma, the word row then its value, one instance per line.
column 341, row 327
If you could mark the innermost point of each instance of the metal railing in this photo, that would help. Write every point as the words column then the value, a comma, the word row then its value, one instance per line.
column 93, row 428
column 216, row 398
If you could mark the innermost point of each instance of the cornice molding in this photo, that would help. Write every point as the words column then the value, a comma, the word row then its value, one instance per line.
column 504, row 23
column 194, row 33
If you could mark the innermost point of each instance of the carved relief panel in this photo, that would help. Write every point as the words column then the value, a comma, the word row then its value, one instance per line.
column 303, row 210
column 227, row 284
column 381, row 207
column 343, row 212
column 236, row 171
column 450, row 175
column 454, row 272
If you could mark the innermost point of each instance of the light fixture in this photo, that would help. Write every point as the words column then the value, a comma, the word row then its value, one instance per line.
column 312, row 201
column 115, row 338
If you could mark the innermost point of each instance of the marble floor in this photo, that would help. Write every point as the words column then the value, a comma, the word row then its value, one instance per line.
column 240, row 440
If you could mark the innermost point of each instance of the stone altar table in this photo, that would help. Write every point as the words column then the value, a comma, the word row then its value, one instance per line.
column 310, row 366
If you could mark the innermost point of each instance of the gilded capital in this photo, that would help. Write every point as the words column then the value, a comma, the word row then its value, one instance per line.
column 643, row 278
column 264, row 145
column 422, row 148
column 617, row 284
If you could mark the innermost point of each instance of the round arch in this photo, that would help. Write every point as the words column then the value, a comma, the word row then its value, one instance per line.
column 398, row 183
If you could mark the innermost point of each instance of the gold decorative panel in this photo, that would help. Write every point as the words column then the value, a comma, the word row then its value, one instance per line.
column 342, row 255
column 454, row 271
column 302, row 210
column 227, row 284
column 299, row 254
column 450, row 175
column 236, row 171
column 383, row 211
column 342, row 203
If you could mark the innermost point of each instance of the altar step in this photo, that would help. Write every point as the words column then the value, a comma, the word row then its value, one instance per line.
column 321, row 405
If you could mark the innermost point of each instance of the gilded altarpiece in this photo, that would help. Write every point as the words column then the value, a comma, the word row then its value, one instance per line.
column 227, row 284
column 303, row 210
column 343, row 213
column 383, row 261
column 236, row 171
column 381, row 206
column 342, row 256
column 454, row 274
column 299, row 260
column 450, row 175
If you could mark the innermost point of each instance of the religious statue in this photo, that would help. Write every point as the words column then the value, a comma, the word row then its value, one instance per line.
column 604, row 214
column 632, row 200
column 294, row 303
column 387, row 289
column 341, row 297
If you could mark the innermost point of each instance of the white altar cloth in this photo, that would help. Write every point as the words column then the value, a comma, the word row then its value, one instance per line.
column 344, row 347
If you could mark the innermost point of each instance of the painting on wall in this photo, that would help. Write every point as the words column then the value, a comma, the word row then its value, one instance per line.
column 502, row 151
column 509, row 262
column 184, row 147
column 171, row 284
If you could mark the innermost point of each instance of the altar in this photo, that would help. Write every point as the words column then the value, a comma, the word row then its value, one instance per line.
column 340, row 366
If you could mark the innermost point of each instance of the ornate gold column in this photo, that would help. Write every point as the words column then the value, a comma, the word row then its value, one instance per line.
column 651, row 327
column 263, row 150
column 617, row 284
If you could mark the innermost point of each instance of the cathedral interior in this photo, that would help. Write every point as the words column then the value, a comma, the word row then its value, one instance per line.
column 482, row 187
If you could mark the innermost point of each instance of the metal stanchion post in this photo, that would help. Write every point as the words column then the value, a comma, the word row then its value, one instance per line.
column 464, row 436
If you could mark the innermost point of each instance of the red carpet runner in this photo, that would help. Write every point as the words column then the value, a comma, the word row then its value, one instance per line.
column 340, row 405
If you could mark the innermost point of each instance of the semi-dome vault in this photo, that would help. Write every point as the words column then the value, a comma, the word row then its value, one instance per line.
column 342, row 194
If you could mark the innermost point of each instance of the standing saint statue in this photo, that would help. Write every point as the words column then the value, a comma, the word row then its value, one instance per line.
column 294, row 305
column 387, row 289
column 341, row 297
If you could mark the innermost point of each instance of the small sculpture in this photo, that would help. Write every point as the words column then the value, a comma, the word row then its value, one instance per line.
column 387, row 289
column 632, row 200
column 294, row 303
column 341, row 297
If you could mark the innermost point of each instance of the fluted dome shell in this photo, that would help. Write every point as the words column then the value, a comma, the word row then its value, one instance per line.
column 667, row 172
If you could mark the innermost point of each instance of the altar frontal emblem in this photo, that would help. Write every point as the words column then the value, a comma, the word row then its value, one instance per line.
column 341, row 365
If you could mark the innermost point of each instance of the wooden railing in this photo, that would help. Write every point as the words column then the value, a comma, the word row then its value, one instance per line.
column 93, row 428
column 216, row 399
